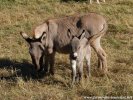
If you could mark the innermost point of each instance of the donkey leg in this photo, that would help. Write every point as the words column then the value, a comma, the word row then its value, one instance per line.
column 99, row 64
column 73, row 65
column 98, row 2
column 79, row 68
column 90, row 1
column 101, row 54
column 103, row 0
column 104, row 61
column 46, row 65
column 88, row 57
column 51, row 62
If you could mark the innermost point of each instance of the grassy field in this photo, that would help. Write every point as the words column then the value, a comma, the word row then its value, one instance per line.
column 15, row 63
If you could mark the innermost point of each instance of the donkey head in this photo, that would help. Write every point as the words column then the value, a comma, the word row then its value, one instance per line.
column 36, row 49
column 75, row 43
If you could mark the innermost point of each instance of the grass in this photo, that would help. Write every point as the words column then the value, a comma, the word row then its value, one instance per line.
column 17, row 81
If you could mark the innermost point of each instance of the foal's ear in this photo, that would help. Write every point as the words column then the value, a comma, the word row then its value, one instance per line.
column 26, row 37
column 82, row 35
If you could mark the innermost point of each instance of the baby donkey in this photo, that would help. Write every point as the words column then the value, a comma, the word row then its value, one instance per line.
column 79, row 51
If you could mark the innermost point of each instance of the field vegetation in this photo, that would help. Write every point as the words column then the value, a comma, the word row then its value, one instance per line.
column 17, row 81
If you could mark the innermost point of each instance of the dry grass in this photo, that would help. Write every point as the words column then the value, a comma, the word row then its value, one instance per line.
column 17, row 81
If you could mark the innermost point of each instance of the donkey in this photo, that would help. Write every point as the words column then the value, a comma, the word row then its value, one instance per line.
column 78, row 52
column 51, row 36
column 97, row 1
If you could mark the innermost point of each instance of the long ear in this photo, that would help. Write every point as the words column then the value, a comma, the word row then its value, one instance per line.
column 26, row 37
column 82, row 35
column 43, row 36
column 70, row 35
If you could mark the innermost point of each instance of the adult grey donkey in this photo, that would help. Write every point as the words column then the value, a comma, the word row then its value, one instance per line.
column 51, row 37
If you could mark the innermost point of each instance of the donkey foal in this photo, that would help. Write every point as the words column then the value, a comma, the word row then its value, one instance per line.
column 77, row 55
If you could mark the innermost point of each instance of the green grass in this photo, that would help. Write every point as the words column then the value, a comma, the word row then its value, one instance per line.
column 15, row 62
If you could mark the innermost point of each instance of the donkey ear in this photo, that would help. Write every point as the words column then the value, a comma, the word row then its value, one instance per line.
column 43, row 36
column 82, row 35
column 26, row 37
column 69, row 34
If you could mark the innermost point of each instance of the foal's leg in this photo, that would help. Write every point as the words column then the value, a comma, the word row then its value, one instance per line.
column 88, row 57
column 80, row 60
column 79, row 70
column 73, row 65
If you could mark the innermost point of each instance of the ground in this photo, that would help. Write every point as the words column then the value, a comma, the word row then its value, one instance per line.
column 17, row 81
